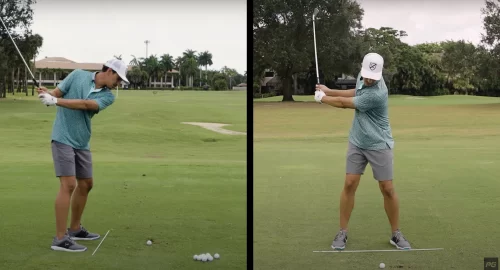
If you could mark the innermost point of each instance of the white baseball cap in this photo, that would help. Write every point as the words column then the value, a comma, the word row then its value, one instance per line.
column 119, row 67
column 372, row 67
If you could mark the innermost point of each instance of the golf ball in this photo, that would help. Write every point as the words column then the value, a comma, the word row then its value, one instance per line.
column 216, row 255
column 204, row 258
column 208, row 255
column 149, row 242
column 382, row 265
column 198, row 257
column 195, row 257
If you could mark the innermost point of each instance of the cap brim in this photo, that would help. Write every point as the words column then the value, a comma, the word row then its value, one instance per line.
column 366, row 73
column 124, row 78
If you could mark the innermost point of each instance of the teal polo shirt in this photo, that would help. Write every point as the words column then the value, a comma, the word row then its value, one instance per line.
column 73, row 127
column 371, row 129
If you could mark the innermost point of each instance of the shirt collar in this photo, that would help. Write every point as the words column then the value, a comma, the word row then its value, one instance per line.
column 93, row 80
column 362, row 84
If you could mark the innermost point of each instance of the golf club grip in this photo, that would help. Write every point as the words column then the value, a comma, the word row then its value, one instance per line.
column 37, row 85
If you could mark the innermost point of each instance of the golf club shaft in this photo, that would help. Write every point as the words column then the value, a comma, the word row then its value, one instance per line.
column 315, row 51
column 7, row 30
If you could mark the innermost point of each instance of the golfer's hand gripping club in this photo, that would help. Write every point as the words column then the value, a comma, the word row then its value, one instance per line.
column 318, row 96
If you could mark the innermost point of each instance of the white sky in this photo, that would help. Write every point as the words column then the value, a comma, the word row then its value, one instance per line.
column 427, row 20
column 93, row 31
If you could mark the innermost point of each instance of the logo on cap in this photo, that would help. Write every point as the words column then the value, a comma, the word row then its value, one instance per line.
column 372, row 66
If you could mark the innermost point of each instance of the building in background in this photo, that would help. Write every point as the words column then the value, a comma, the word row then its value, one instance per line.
column 52, row 70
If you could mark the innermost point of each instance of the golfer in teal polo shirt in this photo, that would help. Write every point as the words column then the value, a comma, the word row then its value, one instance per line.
column 78, row 98
column 370, row 141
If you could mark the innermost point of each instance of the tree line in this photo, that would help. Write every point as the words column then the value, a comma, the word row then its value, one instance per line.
column 283, row 42
column 190, row 71
column 14, row 76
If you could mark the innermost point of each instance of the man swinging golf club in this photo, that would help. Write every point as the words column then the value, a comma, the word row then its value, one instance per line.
column 370, row 141
column 78, row 98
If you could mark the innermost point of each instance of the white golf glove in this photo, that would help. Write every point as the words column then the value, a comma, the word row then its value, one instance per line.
column 318, row 95
column 47, row 99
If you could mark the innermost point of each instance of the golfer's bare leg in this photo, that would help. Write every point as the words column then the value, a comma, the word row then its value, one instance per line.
column 391, row 203
column 67, row 186
column 347, row 198
column 79, row 200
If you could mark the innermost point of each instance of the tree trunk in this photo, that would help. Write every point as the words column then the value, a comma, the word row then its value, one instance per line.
column 180, row 76
column 295, row 87
column 4, row 92
column 12, row 80
column 26, row 81
column 287, row 89
column 34, row 72
column 18, row 77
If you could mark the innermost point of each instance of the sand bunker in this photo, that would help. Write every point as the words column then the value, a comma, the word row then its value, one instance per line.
column 217, row 127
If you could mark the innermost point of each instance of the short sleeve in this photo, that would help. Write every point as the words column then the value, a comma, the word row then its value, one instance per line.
column 105, row 100
column 65, row 85
column 367, row 101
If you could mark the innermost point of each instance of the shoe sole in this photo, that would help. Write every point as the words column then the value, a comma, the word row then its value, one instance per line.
column 394, row 244
column 339, row 248
column 56, row 248
column 84, row 239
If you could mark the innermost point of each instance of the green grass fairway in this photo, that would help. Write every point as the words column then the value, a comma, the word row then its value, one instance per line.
column 183, row 186
column 446, row 174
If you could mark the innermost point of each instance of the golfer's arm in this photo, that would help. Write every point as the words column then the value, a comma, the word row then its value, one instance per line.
column 78, row 104
column 340, row 93
column 339, row 102
column 56, row 93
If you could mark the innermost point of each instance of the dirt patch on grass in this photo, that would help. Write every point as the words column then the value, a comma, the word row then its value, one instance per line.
column 217, row 127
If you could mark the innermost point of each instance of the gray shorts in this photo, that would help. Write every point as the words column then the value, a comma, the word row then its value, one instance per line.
column 381, row 162
column 71, row 162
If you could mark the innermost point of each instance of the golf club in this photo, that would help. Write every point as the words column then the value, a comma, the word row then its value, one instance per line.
column 7, row 30
column 315, row 51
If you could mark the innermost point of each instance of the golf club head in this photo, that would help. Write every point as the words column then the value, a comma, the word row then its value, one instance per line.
column 316, row 10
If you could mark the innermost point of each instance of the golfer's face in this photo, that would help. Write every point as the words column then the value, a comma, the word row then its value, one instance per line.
column 368, row 82
column 116, row 80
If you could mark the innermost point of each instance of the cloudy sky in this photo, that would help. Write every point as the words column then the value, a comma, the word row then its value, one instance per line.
column 94, row 31
column 427, row 20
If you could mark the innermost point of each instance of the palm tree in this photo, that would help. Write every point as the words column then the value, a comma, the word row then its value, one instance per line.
column 190, row 61
column 229, row 72
column 166, row 64
column 205, row 59
column 135, row 61
column 178, row 64
column 190, row 66
column 151, row 66
column 118, row 57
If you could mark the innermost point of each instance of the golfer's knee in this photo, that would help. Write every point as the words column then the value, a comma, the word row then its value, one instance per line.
column 350, row 185
column 68, row 184
column 85, row 185
column 388, row 191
